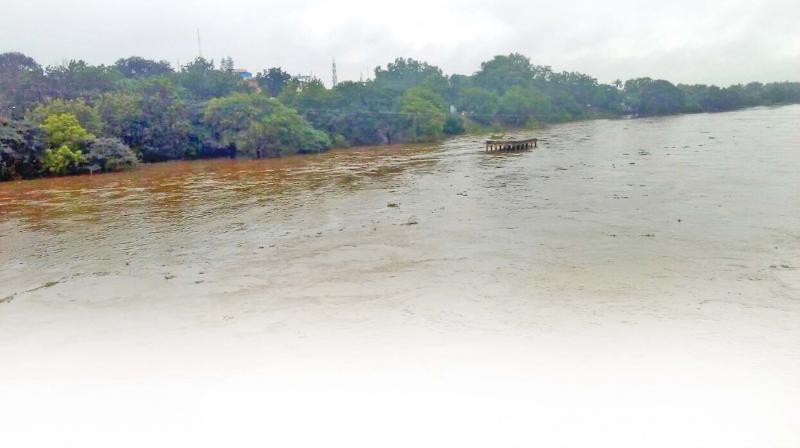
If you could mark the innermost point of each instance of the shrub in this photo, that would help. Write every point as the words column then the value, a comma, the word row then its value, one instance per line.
column 110, row 154
column 62, row 160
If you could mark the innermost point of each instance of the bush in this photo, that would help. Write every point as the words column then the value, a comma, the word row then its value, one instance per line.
column 109, row 154
column 21, row 149
column 62, row 160
column 454, row 125
column 64, row 129
column 339, row 141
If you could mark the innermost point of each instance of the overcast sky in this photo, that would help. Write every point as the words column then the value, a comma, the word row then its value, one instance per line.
column 697, row 41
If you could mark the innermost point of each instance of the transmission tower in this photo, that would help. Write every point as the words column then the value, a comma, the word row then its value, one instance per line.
column 334, row 78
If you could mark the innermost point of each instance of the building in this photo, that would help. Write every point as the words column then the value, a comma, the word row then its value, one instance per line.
column 244, row 74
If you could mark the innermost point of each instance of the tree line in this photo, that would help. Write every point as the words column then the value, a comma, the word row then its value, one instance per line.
column 77, row 117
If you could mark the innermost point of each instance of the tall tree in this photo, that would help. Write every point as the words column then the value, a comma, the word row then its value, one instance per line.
column 403, row 74
column 204, row 82
column 258, row 126
column 504, row 72
column 137, row 67
column 425, row 113
column 20, row 84
column 273, row 80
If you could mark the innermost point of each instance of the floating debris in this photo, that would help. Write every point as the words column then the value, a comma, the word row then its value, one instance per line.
column 412, row 221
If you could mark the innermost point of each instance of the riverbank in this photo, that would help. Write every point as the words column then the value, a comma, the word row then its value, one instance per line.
column 473, row 130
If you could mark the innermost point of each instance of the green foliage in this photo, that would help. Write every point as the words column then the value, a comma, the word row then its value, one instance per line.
column 654, row 97
column 454, row 125
column 123, row 115
column 153, row 119
column 226, row 64
column 110, row 154
column 62, row 160
column 21, row 149
column 479, row 104
column 273, row 80
column 63, row 129
column 14, row 63
column 425, row 112
column 137, row 67
column 65, row 137
column 519, row 106
column 21, row 84
column 403, row 74
column 364, row 113
column 505, row 72
column 77, row 79
column 258, row 126
column 206, row 111
column 87, row 115
column 203, row 82
column 339, row 141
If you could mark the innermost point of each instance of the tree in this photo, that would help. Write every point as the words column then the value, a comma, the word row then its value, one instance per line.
column 86, row 114
column 479, row 104
column 425, row 112
column 64, row 129
column 77, row 79
column 109, row 154
column 137, row 67
column 203, row 111
column 226, row 64
column 14, row 63
column 258, row 126
column 122, row 113
column 153, row 119
column 781, row 93
column 504, row 72
column 654, row 97
column 20, row 84
column 365, row 113
column 314, row 101
column 167, row 131
column 273, row 80
column 454, row 125
column 62, row 160
column 21, row 149
column 203, row 81
column 519, row 105
column 403, row 74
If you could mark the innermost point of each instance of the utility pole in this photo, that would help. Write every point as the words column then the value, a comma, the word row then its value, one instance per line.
column 199, row 45
column 334, row 78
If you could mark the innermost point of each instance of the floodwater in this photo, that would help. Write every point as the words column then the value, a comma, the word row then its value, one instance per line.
column 628, row 283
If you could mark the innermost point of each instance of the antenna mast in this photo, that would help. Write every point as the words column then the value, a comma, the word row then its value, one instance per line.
column 334, row 78
column 199, row 45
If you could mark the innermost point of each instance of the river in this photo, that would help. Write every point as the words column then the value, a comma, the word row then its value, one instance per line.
column 629, row 281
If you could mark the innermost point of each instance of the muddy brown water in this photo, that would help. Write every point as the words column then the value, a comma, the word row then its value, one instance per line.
column 650, row 202
column 649, row 243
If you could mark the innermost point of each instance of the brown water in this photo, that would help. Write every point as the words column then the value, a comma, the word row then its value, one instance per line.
column 653, row 263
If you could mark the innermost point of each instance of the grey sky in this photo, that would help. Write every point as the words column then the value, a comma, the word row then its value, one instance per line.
column 717, row 41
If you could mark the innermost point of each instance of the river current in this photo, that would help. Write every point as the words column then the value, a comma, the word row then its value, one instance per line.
column 644, row 270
